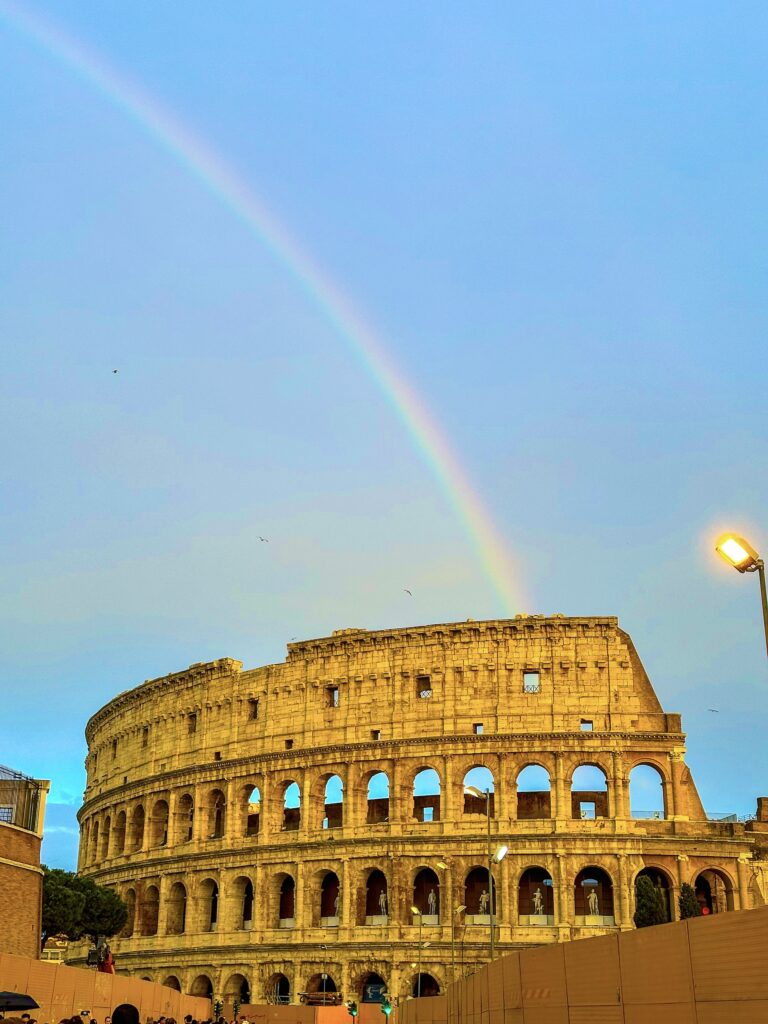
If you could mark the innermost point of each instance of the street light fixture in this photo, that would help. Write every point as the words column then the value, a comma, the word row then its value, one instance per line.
column 742, row 556
column 496, row 857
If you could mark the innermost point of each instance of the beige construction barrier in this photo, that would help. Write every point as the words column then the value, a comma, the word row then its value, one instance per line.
column 65, row 991
column 708, row 970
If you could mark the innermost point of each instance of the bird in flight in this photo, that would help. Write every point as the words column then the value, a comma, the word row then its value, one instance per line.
column 114, row 371
column 264, row 540
column 407, row 591
column 716, row 710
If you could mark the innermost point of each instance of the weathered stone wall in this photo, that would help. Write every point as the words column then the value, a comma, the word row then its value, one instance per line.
column 169, row 818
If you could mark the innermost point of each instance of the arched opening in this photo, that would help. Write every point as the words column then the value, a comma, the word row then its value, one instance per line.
column 593, row 898
column 242, row 893
column 177, row 909
column 536, row 898
column 125, row 1013
column 137, row 828
column 321, row 984
column 120, row 834
column 376, row 898
column 646, row 792
column 130, row 902
column 330, row 900
column 662, row 886
column 479, row 778
column 426, row 897
column 333, row 803
column 714, row 891
column 216, row 814
column 291, row 807
column 426, row 795
column 286, row 905
column 94, row 854
column 185, row 818
column 172, row 982
column 252, row 810
column 278, row 989
column 589, row 793
column 425, row 985
column 479, row 899
column 201, row 986
column 237, row 988
column 378, row 799
column 534, row 793
column 372, row 988
column 150, row 909
column 105, row 833
column 209, row 905
column 158, row 831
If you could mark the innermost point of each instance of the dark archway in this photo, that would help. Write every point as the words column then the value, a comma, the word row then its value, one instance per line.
column 287, row 901
column 318, row 983
column 536, row 900
column 125, row 1013
column 172, row 982
column 662, row 886
column 477, row 897
column 426, row 896
column 376, row 898
column 593, row 896
column 714, row 891
column 278, row 989
column 201, row 986
column 330, row 902
column 425, row 985
column 372, row 988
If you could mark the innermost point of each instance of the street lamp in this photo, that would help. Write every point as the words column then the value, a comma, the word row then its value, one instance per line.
column 457, row 910
column 422, row 945
column 492, row 858
column 742, row 556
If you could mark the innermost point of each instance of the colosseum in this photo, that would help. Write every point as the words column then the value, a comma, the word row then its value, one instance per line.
column 333, row 822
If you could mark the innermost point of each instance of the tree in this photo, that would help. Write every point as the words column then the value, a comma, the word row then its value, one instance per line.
column 63, row 905
column 649, row 904
column 689, row 905
column 75, row 906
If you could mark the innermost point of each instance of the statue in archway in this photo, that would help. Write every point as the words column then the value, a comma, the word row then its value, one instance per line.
column 383, row 903
column 592, row 902
column 337, row 905
column 538, row 903
column 432, row 902
column 484, row 900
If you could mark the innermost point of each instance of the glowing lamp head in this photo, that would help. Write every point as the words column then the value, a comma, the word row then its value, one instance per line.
column 737, row 552
column 500, row 854
column 415, row 910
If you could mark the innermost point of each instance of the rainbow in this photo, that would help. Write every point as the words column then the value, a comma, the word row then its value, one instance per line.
column 221, row 181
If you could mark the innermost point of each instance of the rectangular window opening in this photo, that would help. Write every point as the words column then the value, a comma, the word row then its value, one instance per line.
column 423, row 687
column 217, row 755
column 429, row 813
column 375, row 734
column 145, row 736
column 253, row 709
column 192, row 724
column 114, row 749
column 586, row 725
column 477, row 728
column 531, row 682
column 587, row 810
column 289, row 744
column 332, row 696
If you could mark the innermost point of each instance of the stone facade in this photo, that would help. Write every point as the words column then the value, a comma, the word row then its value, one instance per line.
column 190, row 810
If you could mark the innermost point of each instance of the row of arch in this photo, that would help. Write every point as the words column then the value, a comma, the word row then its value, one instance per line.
column 588, row 787
column 277, row 987
column 199, row 910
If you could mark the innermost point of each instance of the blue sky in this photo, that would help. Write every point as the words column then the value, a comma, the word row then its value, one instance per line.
column 556, row 217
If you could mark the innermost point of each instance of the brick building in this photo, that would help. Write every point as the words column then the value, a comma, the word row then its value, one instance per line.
column 22, row 807
column 327, row 822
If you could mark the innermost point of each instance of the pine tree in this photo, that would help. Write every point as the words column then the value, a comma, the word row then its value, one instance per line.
column 689, row 905
column 649, row 904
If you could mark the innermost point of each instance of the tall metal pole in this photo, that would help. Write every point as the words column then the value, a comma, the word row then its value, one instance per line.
column 490, row 865
column 763, row 599
column 418, row 976
column 453, row 946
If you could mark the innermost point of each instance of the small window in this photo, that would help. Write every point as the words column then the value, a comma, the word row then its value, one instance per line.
column 289, row 744
column 145, row 736
column 477, row 728
column 423, row 687
column 217, row 755
column 114, row 749
column 253, row 709
column 531, row 682
column 125, row 780
column 429, row 813
column 192, row 724
column 332, row 696
column 586, row 725
column 587, row 810
column 375, row 734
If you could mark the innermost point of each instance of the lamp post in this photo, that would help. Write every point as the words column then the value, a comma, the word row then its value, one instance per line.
column 324, row 972
column 742, row 556
column 492, row 858
column 457, row 910
column 416, row 911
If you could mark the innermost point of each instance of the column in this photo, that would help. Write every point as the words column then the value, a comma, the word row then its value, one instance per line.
column 499, row 789
column 562, row 810
column 509, row 776
column 447, row 795
column 743, row 868
column 265, row 811
column 619, row 785
column 348, row 895
column 624, row 917
column 397, row 810
column 199, row 822
column 513, row 895
column 162, row 911
column 675, row 760
column 234, row 823
column 564, row 900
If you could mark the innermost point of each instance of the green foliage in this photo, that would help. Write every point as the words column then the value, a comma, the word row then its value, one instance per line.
column 74, row 907
column 63, row 905
column 218, row 1007
column 649, row 904
column 689, row 905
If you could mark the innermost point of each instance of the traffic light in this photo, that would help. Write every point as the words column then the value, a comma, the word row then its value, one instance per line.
column 386, row 1006
column 352, row 1008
